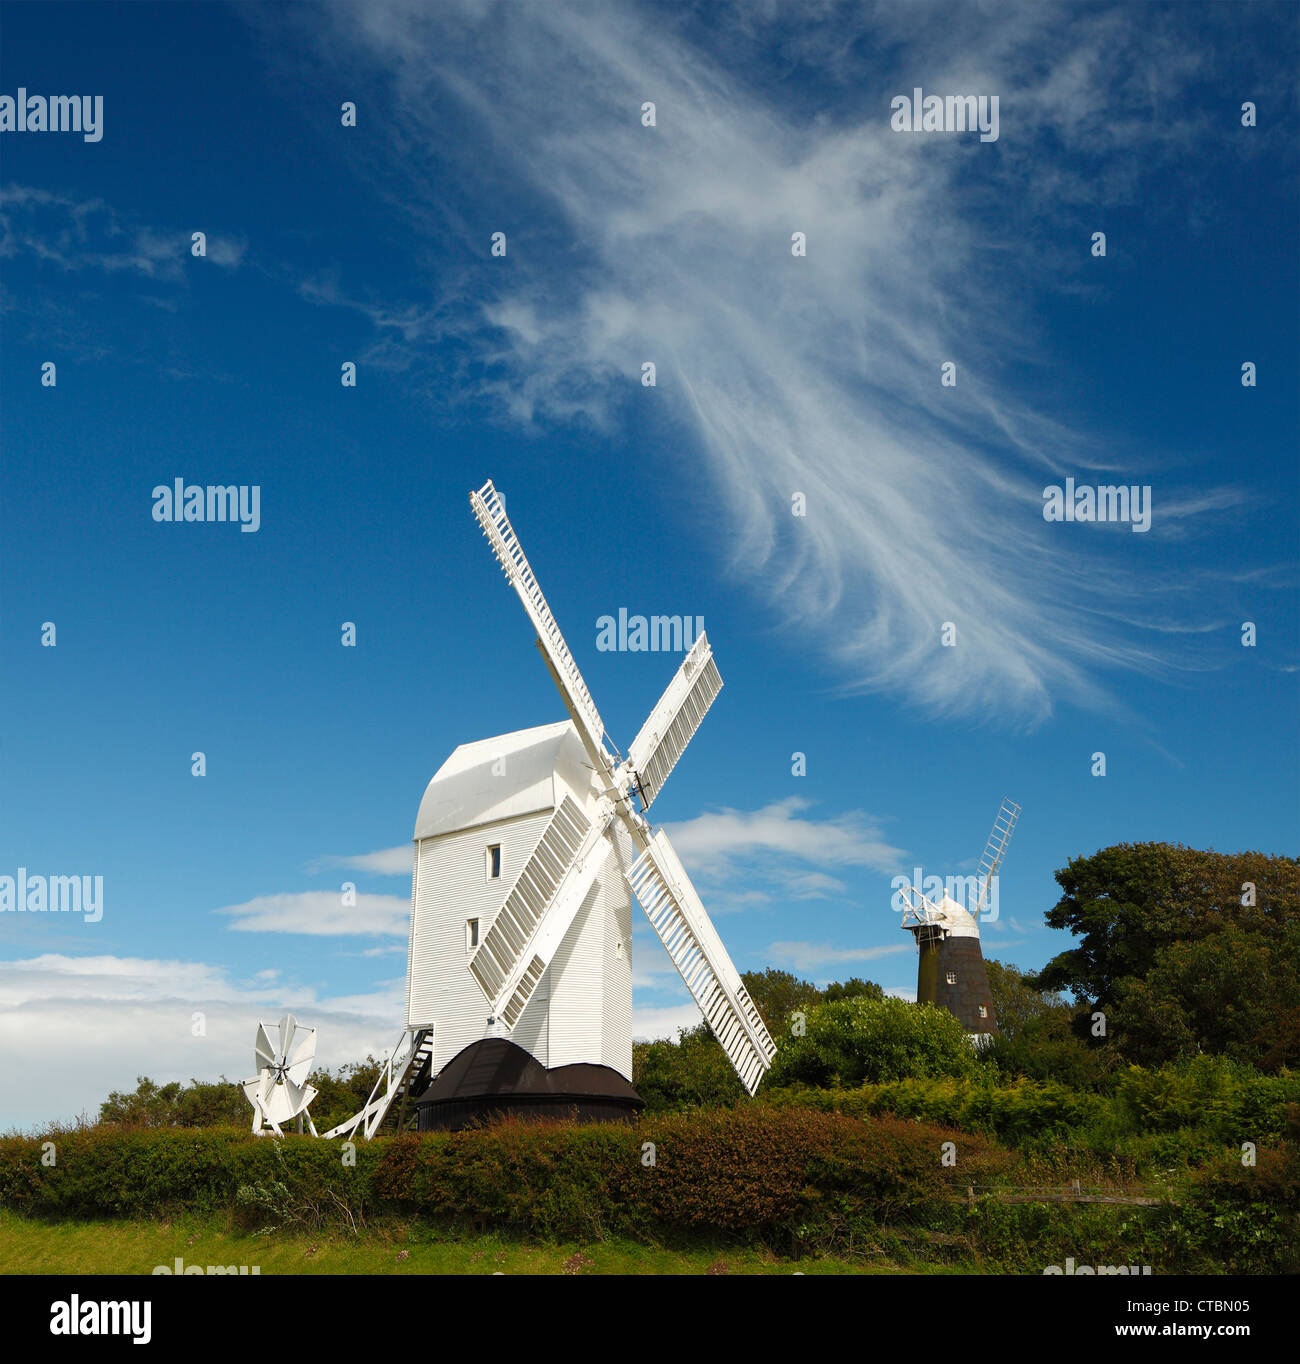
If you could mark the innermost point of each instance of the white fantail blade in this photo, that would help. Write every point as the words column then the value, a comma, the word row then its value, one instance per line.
column 538, row 910
column 299, row 1061
column 996, row 849
column 264, row 1051
column 491, row 514
column 286, row 1101
column 674, row 720
column 288, row 1026
column 665, row 892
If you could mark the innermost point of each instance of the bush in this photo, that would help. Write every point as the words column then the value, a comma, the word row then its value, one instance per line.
column 862, row 1040
column 1224, row 1100
column 1020, row 1113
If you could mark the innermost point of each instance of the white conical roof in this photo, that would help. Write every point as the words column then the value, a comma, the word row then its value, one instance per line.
column 512, row 774
column 959, row 922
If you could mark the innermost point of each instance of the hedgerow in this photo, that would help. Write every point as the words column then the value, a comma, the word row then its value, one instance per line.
column 781, row 1177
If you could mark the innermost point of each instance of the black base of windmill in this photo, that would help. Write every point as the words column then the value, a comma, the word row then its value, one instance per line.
column 494, row 1078
column 951, row 974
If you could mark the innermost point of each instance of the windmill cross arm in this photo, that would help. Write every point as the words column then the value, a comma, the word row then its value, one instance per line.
column 677, row 915
column 538, row 909
column 491, row 515
column 671, row 725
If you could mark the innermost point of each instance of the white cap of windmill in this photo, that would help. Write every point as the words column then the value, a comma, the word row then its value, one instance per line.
column 545, row 898
column 923, row 917
column 279, row 1092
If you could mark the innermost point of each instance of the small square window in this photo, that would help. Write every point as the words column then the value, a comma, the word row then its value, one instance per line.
column 471, row 934
column 984, row 1013
column 494, row 861
column 952, row 977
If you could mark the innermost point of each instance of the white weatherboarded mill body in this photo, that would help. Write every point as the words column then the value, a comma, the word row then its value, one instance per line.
column 482, row 817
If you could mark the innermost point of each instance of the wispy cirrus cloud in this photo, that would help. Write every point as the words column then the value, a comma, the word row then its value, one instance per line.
column 77, row 234
column 817, row 375
column 813, row 956
column 322, row 914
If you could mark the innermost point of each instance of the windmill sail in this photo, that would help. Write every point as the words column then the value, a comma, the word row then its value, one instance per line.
column 665, row 892
column 505, row 544
column 996, row 848
column 537, row 912
column 674, row 720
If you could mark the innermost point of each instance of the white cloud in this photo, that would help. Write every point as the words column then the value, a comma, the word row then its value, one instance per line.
column 74, row 1028
column 386, row 862
column 87, row 234
column 652, row 1025
column 712, row 842
column 809, row 956
column 322, row 913
column 817, row 374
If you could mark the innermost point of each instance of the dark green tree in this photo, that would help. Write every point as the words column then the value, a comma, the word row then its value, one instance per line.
column 1127, row 902
column 1232, row 993
column 1036, row 1038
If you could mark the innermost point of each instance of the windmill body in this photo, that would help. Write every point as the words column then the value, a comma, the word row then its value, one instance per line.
column 530, row 850
column 481, row 819
column 950, row 970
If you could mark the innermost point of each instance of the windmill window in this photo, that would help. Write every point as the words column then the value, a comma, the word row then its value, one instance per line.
column 471, row 934
column 952, row 977
column 984, row 1013
column 494, row 861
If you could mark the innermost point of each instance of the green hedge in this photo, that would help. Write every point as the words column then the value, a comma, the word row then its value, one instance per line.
column 1195, row 1108
column 1022, row 1112
column 785, row 1177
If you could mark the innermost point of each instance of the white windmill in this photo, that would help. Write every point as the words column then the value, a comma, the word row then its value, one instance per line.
column 279, row 1092
column 951, row 971
column 528, row 850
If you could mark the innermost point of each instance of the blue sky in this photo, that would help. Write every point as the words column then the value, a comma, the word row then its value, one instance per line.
column 776, row 374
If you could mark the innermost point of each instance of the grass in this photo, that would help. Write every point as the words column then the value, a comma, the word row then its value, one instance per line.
column 29, row 1246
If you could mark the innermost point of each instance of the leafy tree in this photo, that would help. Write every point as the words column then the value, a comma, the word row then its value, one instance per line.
column 778, row 994
column 852, row 989
column 1127, row 902
column 1036, row 1038
column 342, row 1093
column 1234, row 993
column 860, row 1040
column 692, row 1072
column 1169, row 951
column 175, row 1105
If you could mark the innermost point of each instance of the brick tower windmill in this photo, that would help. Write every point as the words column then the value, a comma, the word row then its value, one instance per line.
column 950, row 969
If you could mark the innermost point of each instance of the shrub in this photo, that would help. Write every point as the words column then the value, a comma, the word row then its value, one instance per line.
column 861, row 1040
